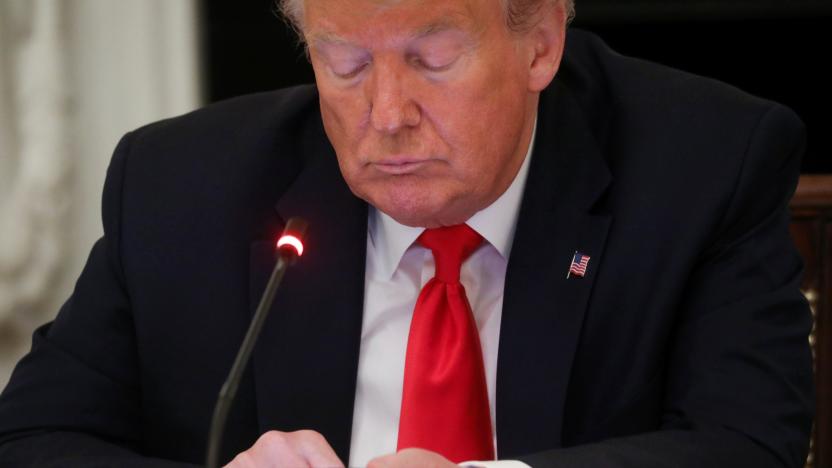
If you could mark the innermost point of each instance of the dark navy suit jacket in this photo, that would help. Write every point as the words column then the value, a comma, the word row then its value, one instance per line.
column 685, row 344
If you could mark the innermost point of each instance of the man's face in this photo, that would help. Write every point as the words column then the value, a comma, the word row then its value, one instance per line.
column 426, row 102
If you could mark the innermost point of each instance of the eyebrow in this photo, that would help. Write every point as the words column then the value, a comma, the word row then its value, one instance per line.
column 435, row 28
column 327, row 37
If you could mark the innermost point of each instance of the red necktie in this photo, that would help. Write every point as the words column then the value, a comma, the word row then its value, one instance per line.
column 444, row 400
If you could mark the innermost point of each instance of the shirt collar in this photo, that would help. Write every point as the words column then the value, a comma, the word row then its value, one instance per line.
column 496, row 223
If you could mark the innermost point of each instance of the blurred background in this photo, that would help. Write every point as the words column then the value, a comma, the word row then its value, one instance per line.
column 77, row 74
column 74, row 76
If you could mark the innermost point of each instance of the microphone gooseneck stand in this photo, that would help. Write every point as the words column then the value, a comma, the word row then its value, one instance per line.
column 288, row 253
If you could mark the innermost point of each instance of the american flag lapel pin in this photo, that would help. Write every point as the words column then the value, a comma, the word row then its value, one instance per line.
column 578, row 265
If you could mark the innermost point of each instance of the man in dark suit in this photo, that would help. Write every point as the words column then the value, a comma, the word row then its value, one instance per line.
column 679, row 341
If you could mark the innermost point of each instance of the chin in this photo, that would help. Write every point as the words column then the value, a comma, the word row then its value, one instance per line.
column 428, row 215
column 416, row 204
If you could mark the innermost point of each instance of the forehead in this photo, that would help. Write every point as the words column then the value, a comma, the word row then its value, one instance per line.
column 377, row 21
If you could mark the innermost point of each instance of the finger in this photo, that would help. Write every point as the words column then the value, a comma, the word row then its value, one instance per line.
column 259, row 457
column 316, row 450
column 276, row 449
column 412, row 458
column 382, row 461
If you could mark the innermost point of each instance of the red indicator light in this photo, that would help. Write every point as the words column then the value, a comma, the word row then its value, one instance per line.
column 290, row 240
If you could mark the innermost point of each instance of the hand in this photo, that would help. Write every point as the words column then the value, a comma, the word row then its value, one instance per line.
column 412, row 458
column 281, row 449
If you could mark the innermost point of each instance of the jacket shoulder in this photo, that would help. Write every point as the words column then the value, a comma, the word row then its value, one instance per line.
column 222, row 166
column 239, row 121
column 642, row 92
column 650, row 118
column 689, row 150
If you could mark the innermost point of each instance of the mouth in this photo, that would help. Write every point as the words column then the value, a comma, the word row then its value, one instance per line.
column 399, row 165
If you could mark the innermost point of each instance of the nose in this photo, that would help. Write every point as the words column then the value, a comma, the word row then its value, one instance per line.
column 391, row 105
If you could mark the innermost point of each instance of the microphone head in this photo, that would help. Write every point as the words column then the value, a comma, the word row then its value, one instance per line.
column 290, row 243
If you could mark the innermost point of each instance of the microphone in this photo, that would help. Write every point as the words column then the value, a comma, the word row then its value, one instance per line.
column 289, row 248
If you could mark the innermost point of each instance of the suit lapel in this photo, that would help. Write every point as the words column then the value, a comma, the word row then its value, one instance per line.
column 306, row 360
column 542, row 309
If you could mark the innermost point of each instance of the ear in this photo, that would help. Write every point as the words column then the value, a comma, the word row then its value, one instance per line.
column 547, row 39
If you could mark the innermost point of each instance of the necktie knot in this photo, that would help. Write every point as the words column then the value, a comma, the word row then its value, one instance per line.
column 451, row 245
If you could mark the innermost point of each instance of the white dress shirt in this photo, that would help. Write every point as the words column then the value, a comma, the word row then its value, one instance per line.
column 396, row 270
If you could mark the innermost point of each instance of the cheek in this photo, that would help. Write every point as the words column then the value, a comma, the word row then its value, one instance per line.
column 343, row 118
column 481, row 121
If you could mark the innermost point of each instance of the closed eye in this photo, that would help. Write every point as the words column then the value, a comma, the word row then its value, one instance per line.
column 349, row 72
column 435, row 67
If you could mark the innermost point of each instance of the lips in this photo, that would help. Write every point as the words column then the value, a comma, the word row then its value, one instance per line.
column 398, row 165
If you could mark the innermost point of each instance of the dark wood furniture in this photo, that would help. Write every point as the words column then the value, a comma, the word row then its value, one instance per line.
column 811, row 229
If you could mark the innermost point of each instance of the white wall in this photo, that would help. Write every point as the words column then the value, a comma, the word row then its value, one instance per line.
column 75, row 75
